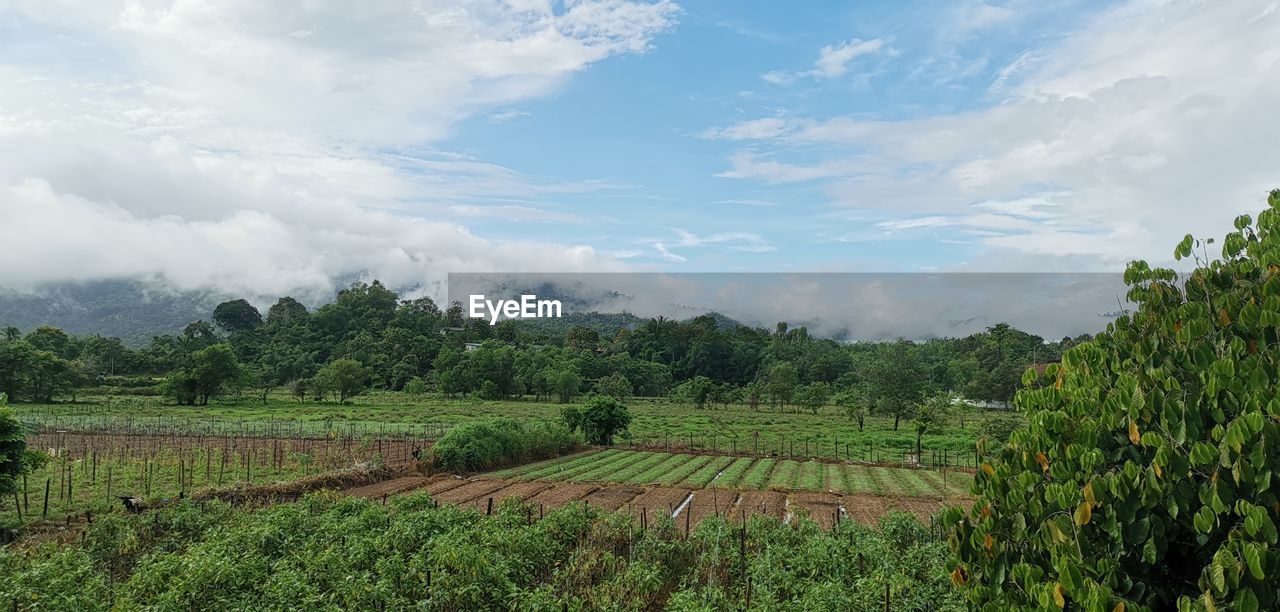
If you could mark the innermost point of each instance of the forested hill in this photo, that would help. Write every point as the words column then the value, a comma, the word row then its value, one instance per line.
column 130, row 310
column 378, row 339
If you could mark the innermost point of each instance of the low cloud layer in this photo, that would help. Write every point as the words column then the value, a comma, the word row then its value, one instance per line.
column 269, row 147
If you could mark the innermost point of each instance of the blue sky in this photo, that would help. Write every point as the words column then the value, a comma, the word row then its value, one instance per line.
column 263, row 147
column 640, row 122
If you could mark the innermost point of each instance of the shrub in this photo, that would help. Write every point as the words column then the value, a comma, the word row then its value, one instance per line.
column 1145, row 477
column 490, row 444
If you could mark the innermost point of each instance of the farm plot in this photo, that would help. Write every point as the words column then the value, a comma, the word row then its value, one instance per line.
column 698, row 471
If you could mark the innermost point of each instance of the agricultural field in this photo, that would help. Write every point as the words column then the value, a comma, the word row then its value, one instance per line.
column 656, row 423
column 89, row 473
column 746, row 473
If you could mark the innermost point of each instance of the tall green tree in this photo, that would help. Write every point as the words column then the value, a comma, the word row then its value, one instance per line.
column 236, row 316
column 602, row 418
column 345, row 377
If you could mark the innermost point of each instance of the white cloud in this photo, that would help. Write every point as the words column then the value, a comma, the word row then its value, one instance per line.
column 264, row 146
column 506, row 115
column 1153, row 120
column 833, row 61
column 755, row 129
column 748, row 202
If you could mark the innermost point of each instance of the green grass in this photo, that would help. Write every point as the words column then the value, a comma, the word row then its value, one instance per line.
column 151, row 478
column 757, row 477
column 635, row 469
column 606, row 470
column 810, row 476
column 652, row 474
column 566, row 467
column 706, row 473
column 857, row 479
column 655, row 421
column 521, row 470
column 733, row 473
column 684, row 470
column 784, row 475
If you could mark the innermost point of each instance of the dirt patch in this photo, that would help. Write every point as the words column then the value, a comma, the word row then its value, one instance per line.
column 612, row 498
column 469, row 491
column 286, row 491
column 446, row 483
column 261, row 450
column 709, row 502
column 869, row 508
column 394, row 486
column 821, row 507
column 767, row 503
column 658, row 500
column 561, row 494
column 519, row 490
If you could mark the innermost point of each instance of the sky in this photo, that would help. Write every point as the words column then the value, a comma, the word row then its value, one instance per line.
column 264, row 147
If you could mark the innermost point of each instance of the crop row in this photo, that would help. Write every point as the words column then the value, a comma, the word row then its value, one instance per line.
column 701, row 471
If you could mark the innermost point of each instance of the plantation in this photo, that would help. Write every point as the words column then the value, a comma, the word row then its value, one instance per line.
column 655, row 423
column 330, row 552
column 701, row 471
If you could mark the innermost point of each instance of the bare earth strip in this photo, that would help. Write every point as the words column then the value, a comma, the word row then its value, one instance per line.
column 821, row 507
column 519, row 490
column 390, row 487
column 561, row 494
column 768, row 503
column 437, row 487
column 659, row 500
column 470, row 491
column 612, row 498
column 708, row 502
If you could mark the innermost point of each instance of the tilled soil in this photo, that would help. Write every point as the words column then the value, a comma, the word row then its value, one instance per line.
column 709, row 502
column 559, row 495
column 821, row 507
column 519, row 490
column 391, row 487
column 659, row 500
column 768, row 503
column 612, row 498
column 470, row 491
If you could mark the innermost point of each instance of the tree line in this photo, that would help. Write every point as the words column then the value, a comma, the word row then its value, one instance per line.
column 370, row 337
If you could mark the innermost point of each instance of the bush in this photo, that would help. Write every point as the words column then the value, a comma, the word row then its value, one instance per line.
column 490, row 444
column 997, row 428
column 1145, row 477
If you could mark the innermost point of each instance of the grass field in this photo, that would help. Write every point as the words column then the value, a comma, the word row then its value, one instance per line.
column 701, row 471
column 735, row 429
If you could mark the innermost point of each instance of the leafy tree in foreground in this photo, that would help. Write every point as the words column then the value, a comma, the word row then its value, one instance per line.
column 15, row 459
column 601, row 418
column 1146, row 476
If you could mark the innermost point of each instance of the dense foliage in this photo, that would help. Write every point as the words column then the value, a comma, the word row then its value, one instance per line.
column 370, row 337
column 1146, row 476
column 329, row 552
column 489, row 444
column 602, row 417
column 13, row 449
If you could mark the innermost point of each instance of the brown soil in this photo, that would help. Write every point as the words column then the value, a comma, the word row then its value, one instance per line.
column 612, row 498
column 325, row 452
column 469, row 491
column 821, row 507
column 561, row 494
column 709, row 502
column 519, row 490
column 869, row 508
column 768, row 503
column 658, row 500
column 394, row 486
column 446, row 483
